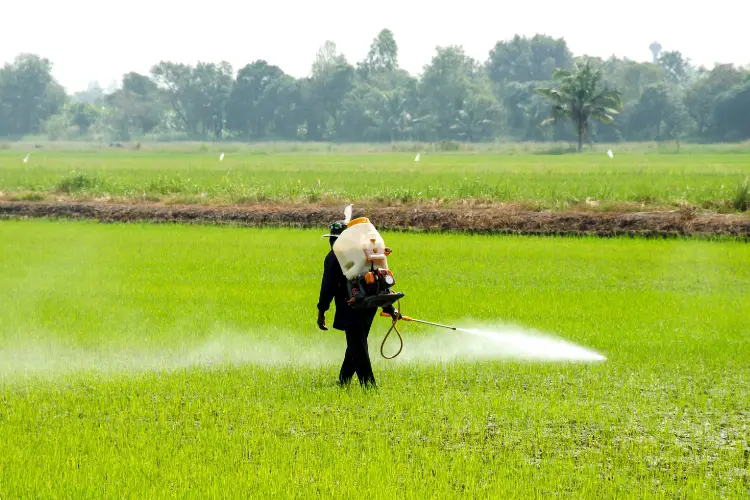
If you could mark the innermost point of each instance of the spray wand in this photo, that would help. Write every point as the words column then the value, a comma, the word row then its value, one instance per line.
column 407, row 318
column 393, row 327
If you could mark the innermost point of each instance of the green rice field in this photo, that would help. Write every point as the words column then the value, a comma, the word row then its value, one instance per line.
column 707, row 180
column 157, row 361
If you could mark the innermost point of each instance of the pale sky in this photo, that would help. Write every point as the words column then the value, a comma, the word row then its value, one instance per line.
column 101, row 40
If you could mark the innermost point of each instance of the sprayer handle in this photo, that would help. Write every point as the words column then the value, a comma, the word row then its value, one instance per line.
column 400, row 316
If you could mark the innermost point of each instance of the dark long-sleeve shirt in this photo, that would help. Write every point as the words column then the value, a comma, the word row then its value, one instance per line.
column 333, row 288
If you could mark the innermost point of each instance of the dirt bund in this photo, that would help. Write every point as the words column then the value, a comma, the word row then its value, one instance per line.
column 492, row 219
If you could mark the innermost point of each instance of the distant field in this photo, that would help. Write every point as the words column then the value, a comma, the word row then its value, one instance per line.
column 148, row 361
column 707, row 180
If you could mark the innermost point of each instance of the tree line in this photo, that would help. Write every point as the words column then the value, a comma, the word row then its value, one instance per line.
column 528, row 89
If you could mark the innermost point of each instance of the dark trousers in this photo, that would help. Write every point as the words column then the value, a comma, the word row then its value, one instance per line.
column 357, row 357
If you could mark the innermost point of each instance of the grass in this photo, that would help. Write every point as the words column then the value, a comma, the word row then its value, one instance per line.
column 500, row 146
column 742, row 196
column 153, row 361
column 704, row 180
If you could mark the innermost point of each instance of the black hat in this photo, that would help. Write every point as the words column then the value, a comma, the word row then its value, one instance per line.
column 336, row 229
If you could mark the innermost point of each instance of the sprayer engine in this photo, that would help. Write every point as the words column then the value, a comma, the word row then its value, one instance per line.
column 373, row 289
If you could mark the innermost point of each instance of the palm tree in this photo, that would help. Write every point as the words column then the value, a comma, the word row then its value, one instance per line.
column 580, row 98
column 390, row 113
column 473, row 121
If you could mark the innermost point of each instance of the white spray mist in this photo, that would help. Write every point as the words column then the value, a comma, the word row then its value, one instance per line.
column 486, row 342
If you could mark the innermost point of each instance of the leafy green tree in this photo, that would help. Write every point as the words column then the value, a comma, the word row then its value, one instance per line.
column 137, row 108
column 675, row 66
column 92, row 95
column 392, row 100
column 476, row 120
column 82, row 115
column 58, row 127
column 524, row 109
column 176, row 80
column 290, row 113
column 197, row 95
column 29, row 95
column 658, row 114
column 582, row 97
column 631, row 77
column 731, row 113
column 214, row 82
column 701, row 94
column 528, row 59
column 312, row 109
column 140, row 85
column 357, row 119
column 332, row 78
column 257, row 94
column 390, row 112
column 449, row 81
column 382, row 57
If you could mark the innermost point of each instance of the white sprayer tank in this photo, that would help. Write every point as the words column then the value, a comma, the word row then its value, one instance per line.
column 358, row 247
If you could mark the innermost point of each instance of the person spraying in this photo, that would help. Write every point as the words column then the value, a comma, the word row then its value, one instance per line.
column 356, row 277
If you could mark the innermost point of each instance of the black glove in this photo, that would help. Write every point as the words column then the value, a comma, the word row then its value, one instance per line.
column 322, row 320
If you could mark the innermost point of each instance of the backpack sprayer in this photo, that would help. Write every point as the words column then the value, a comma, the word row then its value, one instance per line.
column 363, row 257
